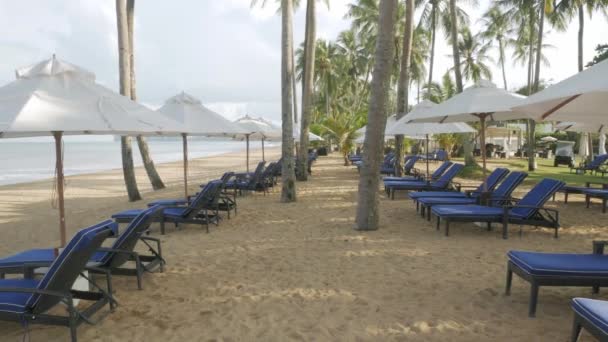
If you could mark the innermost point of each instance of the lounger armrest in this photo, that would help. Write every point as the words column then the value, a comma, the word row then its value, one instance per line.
column 547, row 210
column 598, row 246
column 114, row 250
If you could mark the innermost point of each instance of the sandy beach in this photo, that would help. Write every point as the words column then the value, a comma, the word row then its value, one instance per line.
column 300, row 272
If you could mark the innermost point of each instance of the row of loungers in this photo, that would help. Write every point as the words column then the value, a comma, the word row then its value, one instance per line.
column 539, row 269
column 29, row 297
column 444, row 199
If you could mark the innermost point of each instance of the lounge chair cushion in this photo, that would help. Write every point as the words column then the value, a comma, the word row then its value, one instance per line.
column 447, row 200
column 13, row 302
column 31, row 256
column 595, row 311
column 552, row 264
column 445, row 194
column 468, row 211
column 168, row 202
column 596, row 192
column 127, row 214
column 174, row 212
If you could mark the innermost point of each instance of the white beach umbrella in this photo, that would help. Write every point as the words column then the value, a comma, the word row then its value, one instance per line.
column 548, row 139
column 586, row 128
column 579, row 127
column 197, row 120
column 477, row 103
column 582, row 98
column 311, row 136
column 390, row 121
column 257, row 128
column 403, row 126
column 56, row 98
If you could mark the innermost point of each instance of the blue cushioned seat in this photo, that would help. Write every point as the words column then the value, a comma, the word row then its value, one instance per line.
column 594, row 311
column 555, row 264
column 477, row 211
column 445, row 194
column 13, row 302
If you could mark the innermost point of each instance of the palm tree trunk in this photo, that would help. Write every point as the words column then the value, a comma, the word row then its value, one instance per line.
column 581, row 30
column 502, row 62
column 531, row 125
column 404, row 79
column 469, row 140
column 433, row 34
column 294, row 88
column 367, row 205
column 307, row 89
column 539, row 46
column 288, row 189
column 125, row 89
column 155, row 180
column 455, row 51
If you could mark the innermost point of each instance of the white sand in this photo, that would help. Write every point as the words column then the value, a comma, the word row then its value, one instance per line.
column 282, row 272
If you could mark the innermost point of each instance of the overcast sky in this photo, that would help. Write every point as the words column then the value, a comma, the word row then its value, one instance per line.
column 221, row 51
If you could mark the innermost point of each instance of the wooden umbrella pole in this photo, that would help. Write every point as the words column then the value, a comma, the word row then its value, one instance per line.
column 482, row 137
column 247, row 139
column 185, row 150
column 263, row 156
column 60, row 180
column 427, row 158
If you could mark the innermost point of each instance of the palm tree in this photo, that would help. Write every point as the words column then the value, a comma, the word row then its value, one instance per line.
column 438, row 13
column 474, row 53
column 153, row 176
column 307, row 86
column 367, row 204
column 343, row 130
column 125, row 89
column 420, row 53
column 288, row 189
column 576, row 8
column 497, row 26
column 403, row 93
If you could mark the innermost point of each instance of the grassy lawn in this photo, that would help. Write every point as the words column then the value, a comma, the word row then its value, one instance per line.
column 545, row 170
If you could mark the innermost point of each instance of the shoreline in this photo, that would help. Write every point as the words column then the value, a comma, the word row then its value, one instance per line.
column 30, row 203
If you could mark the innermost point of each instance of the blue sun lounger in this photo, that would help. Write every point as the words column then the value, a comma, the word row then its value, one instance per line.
column 594, row 166
column 501, row 195
column 225, row 203
column 443, row 183
column 527, row 211
column 202, row 210
column 558, row 269
column 111, row 259
column 418, row 176
column 591, row 314
column 596, row 193
column 493, row 179
column 30, row 300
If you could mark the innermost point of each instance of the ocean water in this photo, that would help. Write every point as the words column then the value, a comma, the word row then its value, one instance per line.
column 26, row 160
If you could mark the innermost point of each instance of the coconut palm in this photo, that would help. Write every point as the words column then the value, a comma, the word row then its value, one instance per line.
column 435, row 14
column 474, row 57
column 577, row 8
column 367, row 217
column 497, row 27
column 288, row 181
column 125, row 89
column 403, row 93
column 342, row 129
column 153, row 176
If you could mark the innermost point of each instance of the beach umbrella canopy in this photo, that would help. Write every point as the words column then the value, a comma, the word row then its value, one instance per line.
column 54, row 97
column 548, row 139
column 257, row 128
column 579, row 127
column 390, row 121
column 412, row 129
column 479, row 102
column 416, row 130
column 197, row 120
column 581, row 98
